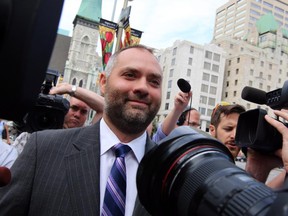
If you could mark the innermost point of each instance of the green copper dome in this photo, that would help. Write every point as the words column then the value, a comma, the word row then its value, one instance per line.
column 267, row 23
column 91, row 10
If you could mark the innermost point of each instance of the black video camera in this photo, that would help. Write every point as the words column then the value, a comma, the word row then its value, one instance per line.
column 252, row 129
column 49, row 110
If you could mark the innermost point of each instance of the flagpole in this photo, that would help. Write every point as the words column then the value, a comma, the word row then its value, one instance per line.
column 120, row 28
column 114, row 9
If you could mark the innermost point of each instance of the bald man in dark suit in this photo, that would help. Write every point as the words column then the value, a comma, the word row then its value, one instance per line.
column 64, row 172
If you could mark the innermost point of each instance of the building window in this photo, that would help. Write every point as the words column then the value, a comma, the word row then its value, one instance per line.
column 207, row 65
column 250, row 83
column 229, row 63
column 214, row 79
column 279, row 80
column 188, row 72
column 190, row 61
column 268, row 88
column 171, row 72
column 215, row 68
column 202, row 110
column 227, row 83
column 191, row 49
column 226, row 94
column 236, row 82
column 228, row 73
column 213, row 90
column 204, row 88
column 237, row 71
column 166, row 106
column 267, row 4
column 269, row 77
column 261, row 74
column 169, row 83
column 238, row 60
column 173, row 61
column 252, row 61
column 216, row 57
column 168, row 95
column 262, row 63
column 261, row 85
column 203, row 99
column 234, row 93
column 174, row 51
column 251, row 72
column 211, row 101
column 208, row 54
column 206, row 77
column 270, row 66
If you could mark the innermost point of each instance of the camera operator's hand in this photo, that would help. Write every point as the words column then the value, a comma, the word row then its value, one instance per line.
column 284, row 131
column 260, row 164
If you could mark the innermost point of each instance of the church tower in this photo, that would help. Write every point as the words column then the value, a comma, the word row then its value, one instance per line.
column 83, row 63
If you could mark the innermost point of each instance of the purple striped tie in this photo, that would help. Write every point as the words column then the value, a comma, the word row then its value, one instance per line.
column 115, row 194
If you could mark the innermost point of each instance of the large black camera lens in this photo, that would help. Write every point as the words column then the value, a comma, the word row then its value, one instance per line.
column 191, row 173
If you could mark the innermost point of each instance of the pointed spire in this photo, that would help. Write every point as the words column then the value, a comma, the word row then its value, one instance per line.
column 91, row 10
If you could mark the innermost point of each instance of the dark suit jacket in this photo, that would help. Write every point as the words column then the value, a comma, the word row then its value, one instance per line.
column 58, row 174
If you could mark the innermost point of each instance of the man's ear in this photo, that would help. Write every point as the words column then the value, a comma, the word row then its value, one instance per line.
column 212, row 130
column 102, row 82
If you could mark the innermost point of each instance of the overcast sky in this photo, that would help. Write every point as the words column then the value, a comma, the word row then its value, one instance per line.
column 162, row 21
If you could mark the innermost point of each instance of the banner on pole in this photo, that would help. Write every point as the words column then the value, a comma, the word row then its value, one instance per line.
column 127, row 29
column 107, row 30
column 135, row 36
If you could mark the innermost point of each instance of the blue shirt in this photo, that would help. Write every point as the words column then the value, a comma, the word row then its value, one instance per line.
column 8, row 154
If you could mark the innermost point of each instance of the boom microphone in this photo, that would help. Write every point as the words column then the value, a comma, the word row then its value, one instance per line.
column 5, row 176
column 254, row 95
column 183, row 85
column 276, row 99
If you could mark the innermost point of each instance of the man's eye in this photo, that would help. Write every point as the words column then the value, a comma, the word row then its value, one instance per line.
column 130, row 75
column 155, row 82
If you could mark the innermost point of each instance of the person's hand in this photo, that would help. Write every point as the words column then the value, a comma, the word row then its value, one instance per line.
column 181, row 101
column 284, row 131
column 260, row 164
column 61, row 88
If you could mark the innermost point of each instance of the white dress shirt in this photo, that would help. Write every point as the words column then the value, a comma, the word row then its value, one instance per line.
column 107, row 140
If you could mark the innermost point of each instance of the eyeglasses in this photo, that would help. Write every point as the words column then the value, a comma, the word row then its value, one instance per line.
column 222, row 103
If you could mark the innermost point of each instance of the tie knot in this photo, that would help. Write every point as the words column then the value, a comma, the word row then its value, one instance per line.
column 121, row 150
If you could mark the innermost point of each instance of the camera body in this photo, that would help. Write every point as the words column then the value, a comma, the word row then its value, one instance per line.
column 49, row 110
column 253, row 130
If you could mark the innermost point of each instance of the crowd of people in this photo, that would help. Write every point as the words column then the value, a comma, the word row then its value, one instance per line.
column 65, row 171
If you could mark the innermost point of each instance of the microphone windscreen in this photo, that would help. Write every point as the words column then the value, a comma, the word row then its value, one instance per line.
column 5, row 176
column 183, row 85
column 254, row 95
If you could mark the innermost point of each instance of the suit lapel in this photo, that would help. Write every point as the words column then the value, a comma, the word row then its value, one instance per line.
column 83, row 169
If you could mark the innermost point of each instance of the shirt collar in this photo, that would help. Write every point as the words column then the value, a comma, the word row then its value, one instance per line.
column 108, row 139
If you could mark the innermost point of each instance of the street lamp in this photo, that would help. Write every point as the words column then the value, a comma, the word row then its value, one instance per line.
column 123, row 15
